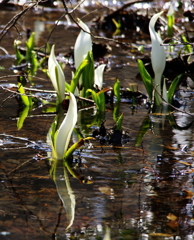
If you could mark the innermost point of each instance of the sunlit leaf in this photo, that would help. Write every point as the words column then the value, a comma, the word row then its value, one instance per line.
column 187, row 47
column 119, row 122
column 77, row 75
column 88, row 75
column 19, row 56
column 74, row 147
column 147, row 79
column 25, row 99
column 170, row 21
column 116, row 111
column 22, row 117
column 116, row 89
column 101, row 97
column 30, row 47
column 172, row 88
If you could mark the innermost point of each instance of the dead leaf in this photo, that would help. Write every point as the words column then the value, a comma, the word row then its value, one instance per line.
column 171, row 217
column 106, row 190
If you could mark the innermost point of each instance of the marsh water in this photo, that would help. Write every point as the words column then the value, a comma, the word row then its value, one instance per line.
column 141, row 189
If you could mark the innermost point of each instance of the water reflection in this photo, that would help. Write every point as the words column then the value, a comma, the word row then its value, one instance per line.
column 61, row 179
column 170, row 199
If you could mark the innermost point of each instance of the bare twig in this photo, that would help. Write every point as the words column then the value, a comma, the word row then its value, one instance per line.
column 14, row 20
column 69, row 13
column 38, row 90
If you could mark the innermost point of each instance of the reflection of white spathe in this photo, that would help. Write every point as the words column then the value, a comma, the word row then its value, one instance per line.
column 39, row 27
column 65, row 192
column 107, row 234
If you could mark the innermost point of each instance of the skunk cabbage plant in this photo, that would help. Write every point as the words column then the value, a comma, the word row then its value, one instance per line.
column 158, row 57
column 158, row 61
column 56, row 75
column 59, row 139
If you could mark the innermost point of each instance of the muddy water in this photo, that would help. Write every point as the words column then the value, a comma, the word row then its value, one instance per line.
column 137, row 192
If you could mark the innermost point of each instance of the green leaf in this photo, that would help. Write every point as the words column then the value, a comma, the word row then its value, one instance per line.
column 25, row 99
column 19, row 56
column 35, row 63
column 50, row 109
column 70, row 151
column 88, row 75
column 119, row 122
column 116, row 89
column 117, row 24
column 170, row 25
column 116, row 111
column 75, row 80
column 23, row 116
column 30, row 47
column 68, row 160
column 101, row 100
column 147, row 79
column 188, row 48
column 172, row 88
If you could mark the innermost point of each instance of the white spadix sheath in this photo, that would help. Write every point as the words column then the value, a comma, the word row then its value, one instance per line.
column 158, row 57
column 64, row 132
column 56, row 75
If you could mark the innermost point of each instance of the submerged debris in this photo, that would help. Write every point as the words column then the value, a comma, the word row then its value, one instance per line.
column 112, row 136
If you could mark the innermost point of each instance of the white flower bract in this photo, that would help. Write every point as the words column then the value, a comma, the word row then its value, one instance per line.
column 56, row 75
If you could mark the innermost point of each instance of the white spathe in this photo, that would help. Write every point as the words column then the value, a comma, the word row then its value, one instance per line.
column 158, row 57
column 83, row 44
column 64, row 132
column 56, row 75
column 98, row 76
